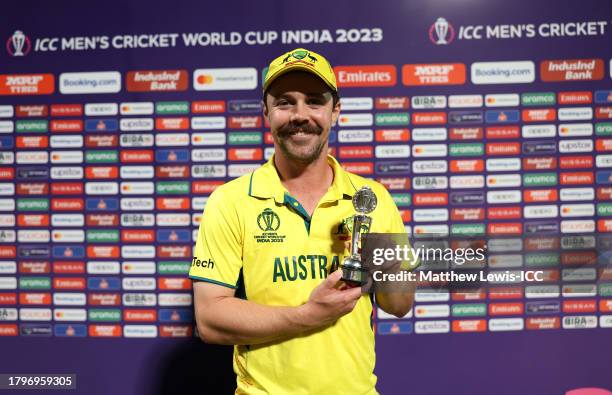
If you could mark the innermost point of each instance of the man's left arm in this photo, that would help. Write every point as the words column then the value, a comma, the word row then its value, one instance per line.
column 399, row 301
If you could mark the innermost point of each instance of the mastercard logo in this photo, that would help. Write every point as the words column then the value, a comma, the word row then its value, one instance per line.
column 205, row 79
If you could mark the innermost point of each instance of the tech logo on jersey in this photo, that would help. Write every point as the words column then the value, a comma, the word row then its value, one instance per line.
column 269, row 222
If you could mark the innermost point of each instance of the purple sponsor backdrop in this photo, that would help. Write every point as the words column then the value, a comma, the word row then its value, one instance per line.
column 522, row 362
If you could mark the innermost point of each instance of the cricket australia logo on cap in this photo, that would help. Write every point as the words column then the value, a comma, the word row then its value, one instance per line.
column 300, row 55
column 269, row 222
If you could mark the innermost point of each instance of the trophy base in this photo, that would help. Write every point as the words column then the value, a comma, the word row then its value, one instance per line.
column 354, row 276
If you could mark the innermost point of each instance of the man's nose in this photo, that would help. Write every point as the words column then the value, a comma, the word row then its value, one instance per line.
column 300, row 113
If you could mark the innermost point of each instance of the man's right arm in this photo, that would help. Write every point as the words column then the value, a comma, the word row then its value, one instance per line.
column 223, row 318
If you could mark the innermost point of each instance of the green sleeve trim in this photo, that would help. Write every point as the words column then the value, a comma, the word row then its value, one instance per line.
column 208, row 280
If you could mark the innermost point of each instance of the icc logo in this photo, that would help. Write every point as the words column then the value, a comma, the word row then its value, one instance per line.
column 18, row 44
column 268, row 220
column 441, row 32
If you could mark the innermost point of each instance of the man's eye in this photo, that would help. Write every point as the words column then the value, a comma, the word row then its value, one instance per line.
column 282, row 102
column 315, row 102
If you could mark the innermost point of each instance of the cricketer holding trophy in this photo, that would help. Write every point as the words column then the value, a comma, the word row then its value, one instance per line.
column 270, row 244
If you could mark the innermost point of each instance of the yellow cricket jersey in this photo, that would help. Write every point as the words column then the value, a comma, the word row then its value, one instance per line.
column 256, row 238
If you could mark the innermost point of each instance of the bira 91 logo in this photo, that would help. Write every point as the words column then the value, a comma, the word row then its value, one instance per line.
column 18, row 44
column 441, row 32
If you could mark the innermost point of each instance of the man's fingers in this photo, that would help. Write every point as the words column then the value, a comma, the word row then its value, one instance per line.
column 332, row 279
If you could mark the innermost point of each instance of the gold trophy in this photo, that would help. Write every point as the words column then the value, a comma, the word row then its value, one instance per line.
column 364, row 202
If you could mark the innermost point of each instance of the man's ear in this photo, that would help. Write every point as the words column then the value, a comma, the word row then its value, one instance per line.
column 336, row 113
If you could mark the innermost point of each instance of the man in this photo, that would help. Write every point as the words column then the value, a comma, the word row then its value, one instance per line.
column 270, row 242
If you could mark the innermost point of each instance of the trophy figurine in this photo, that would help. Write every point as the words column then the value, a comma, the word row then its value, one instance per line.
column 364, row 202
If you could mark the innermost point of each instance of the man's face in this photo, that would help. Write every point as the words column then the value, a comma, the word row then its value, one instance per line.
column 300, row 111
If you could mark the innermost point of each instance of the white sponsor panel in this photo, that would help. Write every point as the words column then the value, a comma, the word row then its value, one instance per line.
column 141, row 267
column 68, row 236
column 167, row 219
column 356, row 120
column 431, row 295
column 431, row 229
column 503, row 164
column 134, row 331
column 32, row 157
column 7, row 126
column 430, row 215
column 7, row 189
column 465, row 101
column 137, row 204
column 208, row 171
column 199, row 203
column 355, row 136
column 70, row 315
column 67, row 220
column 137, row 188
column 392, row 151
column 542, row 291
column 101, row 188
column 605, row 321
column 579, row 274
column 577, row 210
column 136, row 108
column 579, row 290
column 69, row 299
column 66, row 157
column 91, row 82
column 8, row 282
column 431, row 311
column 579, row 322
column 7, row 220
column 33, row 236
column 429, row 134
column 207, row 123
column 541, row 211
column 502, row 100
column 175, row 299
column 69, row 141
column 172, row 139
column 603, row 161
column 509, row 72
column 137, row 220
column 463, row 182
column 138, row 251
column 575, row 129
column 430, row 182
column 139, row 283
column 503, row 180
column 139, row 299
column 7, row 204
column 505, row 245
column 504, row 197
column 34, row 314
column 438, row 326
column 569, row 146
column 208, row 138
column 429, row 150
column 208, row 155
column 538, row 131
column 107, row 267
column 6, row 111
column 136, row 124
column 8, row 267
column 577, row 226
column 356, row 103
column 506, row 324
column 7, row 158
column 138, row 172
column 427, row 102
column 136, row 140
column 237, row 170
column 99, row 109
column 575, row 114
column 576, row 194
column 429, row 166
column 225, row 79
column 8, row 314
column 268, row 152
column 506, row 260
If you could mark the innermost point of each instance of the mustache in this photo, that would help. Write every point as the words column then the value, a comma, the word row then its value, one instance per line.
column 290, row 129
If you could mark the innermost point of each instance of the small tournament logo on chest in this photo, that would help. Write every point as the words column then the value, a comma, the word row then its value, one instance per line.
column 268, row 222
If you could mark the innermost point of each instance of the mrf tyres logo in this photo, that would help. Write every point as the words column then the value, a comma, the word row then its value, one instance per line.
column 268, row 222
column 442, row 32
